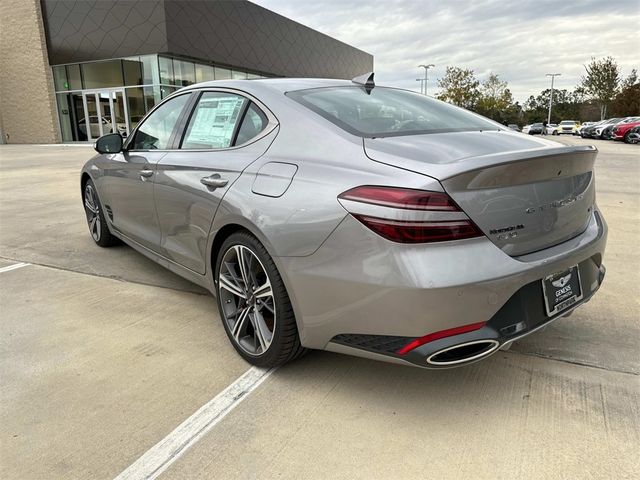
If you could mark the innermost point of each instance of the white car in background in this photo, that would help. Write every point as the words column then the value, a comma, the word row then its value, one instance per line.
column 552, row 129
column 107, row 126
column 568, row 126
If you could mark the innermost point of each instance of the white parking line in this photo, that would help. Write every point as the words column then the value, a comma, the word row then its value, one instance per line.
column 13, row 267
column 159, row 457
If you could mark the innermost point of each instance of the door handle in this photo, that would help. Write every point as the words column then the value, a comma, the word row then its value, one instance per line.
column 146, row 173
column 214, row 181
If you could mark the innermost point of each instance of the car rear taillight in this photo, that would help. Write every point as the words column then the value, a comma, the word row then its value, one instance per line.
column 405, row 198
column 406, row 215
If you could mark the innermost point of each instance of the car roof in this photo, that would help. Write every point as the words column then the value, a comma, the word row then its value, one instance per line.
column 281, row 85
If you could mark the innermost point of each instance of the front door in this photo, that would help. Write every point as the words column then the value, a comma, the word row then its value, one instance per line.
column 105, row 111
column 225, row 134
column 129, row 176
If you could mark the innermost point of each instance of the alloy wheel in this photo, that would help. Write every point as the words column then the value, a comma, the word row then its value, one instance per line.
column 246, row 297
column 92, row 209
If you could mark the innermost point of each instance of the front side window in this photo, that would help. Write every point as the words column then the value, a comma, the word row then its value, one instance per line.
column 386, row 112
column 155, row 132
column 213, row 123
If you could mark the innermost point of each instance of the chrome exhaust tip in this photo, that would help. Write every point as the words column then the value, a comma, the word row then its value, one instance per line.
column 463, row 353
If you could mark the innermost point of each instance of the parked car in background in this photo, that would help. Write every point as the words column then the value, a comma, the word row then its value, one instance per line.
column 582, row 126
column 568, row 126
column 633, row 135
column 107, row 126
column 588, row 132
column 607, row 133
column 600, row 129
column 623, row 129
column 513, row 126
column 552, row 129
column 533, row 129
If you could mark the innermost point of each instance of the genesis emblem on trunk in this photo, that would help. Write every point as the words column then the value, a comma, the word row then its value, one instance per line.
column 556, row 204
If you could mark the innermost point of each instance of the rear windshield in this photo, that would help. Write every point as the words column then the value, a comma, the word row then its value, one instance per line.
column 387, row 112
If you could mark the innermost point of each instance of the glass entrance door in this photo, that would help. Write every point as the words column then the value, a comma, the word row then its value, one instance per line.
column 105, row 111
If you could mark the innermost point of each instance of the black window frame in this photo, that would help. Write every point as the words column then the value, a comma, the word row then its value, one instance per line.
column 176, row 128
column 248, row 106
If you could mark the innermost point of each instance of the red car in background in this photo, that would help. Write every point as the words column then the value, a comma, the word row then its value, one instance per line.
column 622, row 131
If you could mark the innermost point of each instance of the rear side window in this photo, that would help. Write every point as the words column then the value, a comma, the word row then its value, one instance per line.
column 253, row 123
column 386, row 112
column 155, row 132
column 213, row 122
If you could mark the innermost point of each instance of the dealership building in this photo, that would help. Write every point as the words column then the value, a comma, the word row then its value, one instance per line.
column 71, row 71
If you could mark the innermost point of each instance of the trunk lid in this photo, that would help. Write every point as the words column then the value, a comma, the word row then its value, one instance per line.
column 525, row 194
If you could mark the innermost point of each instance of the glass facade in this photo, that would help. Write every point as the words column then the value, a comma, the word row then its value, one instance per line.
column 112, row 96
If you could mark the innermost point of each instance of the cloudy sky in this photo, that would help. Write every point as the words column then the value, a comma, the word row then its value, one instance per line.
column 519, row 40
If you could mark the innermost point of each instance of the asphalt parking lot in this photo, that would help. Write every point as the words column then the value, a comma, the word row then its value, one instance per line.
column 104, row 354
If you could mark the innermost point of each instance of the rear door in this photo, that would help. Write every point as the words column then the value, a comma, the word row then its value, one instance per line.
column 225, row 133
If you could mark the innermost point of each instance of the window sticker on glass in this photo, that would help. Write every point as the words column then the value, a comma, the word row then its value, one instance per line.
column 213, row 123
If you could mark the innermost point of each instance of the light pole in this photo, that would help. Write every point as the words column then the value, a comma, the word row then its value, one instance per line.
column 421, row 80
column 553, row 76
column 426, row 75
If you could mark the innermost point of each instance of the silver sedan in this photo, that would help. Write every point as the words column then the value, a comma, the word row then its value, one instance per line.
column 355, row 218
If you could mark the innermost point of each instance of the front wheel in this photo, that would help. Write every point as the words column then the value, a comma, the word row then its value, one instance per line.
column 254, row 305
column 95, row 217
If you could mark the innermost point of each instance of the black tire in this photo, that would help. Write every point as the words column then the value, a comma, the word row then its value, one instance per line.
column 285, row 344
column 626, row 137
column 93, row 210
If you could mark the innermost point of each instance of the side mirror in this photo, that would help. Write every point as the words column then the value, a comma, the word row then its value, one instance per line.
column 109, row 143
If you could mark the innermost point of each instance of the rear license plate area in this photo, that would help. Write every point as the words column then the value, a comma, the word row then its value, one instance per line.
column 561, row 291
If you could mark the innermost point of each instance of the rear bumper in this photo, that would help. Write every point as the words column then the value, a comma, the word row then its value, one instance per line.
column 522, row 315
column 360, row 285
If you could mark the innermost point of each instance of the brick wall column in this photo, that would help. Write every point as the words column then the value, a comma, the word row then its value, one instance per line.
column 27, row 99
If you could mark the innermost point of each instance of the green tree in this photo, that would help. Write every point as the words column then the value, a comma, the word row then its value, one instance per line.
column 495, row 99
column 627, row 101
column 566, row 106
column 601, row 82
column 460, row 87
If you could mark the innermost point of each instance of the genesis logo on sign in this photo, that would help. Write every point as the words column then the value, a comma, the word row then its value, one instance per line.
column 561, row 282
